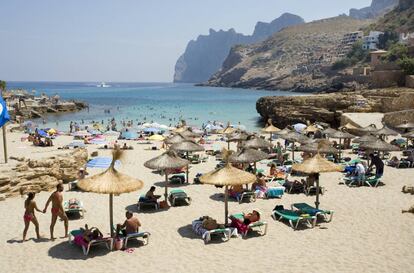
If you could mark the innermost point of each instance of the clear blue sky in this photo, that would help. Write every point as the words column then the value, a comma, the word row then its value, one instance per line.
column 126, row 40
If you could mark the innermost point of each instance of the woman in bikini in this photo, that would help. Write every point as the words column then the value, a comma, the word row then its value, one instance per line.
column 29, row 215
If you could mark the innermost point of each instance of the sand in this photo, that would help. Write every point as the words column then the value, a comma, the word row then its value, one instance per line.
column 368, row 232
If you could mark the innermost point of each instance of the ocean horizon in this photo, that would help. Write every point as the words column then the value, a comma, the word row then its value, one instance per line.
column 161, row 102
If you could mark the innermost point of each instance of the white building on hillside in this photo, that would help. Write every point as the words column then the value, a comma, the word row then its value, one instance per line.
column 371, row 41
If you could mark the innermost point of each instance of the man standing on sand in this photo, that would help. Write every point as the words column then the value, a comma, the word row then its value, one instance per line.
column 57, row 209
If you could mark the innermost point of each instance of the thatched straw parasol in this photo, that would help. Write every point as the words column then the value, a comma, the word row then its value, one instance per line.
column 177, row 138
column 228, row 130
column 409, row 135
column 187, row 147
column 111, row 182
column 189, row 134
column 379, row 145
column 311, row 129
column 341, row 135
column 406, row 125
column 329, row 131
column 385, row 131
column 248, row 156
column 227, row 176
column 283, row 132
column 295, row 137
column 270, row 129
column 167, row 161
column 236, row 137
column 323, row 147
column 257, row 143
column 317, row 165
column 366, row 138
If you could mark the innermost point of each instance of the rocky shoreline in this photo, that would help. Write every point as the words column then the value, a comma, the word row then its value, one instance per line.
column 329, row 108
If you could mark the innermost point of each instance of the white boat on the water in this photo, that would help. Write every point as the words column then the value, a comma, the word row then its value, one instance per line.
column 103, row 84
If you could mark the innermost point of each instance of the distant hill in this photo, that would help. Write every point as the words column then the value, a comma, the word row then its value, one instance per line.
column 377, row 8
column 400, row 19
column 286, row 60
column 204, row 56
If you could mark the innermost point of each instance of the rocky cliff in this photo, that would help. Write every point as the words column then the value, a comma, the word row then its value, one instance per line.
column 204, row 56
column 377, row 8
column 292, row 59
column 41, row 175
column 329, row 107
column 400, row 20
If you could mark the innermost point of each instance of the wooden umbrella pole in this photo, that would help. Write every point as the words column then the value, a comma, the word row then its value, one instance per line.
column 166, row 186
column 340, row 149
column 317, row 192
column 228, row 145
column 270, row 137
column 226, row 205
column 5, row 143
column 293, row 151
column 188, row 170
column 111, row 214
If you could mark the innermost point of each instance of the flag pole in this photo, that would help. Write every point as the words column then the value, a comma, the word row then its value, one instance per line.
column 4, row 136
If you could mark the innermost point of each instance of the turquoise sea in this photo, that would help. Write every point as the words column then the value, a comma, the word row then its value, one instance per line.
column 164, row 103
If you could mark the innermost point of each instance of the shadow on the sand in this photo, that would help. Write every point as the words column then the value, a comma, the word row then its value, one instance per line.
column 65, row 251
column 16, row 241
column 134, row 208
column 301, row 226
column 187, row 232
column 220, row 197
column 171, row 184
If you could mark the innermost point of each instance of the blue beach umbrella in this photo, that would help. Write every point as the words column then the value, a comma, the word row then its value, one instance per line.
column 129, row 135
column 101, row 162
column 42, row 133
column 151, row 130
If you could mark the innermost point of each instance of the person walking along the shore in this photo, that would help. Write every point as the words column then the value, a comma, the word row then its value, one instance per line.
column 57, row 210
column 29, row 215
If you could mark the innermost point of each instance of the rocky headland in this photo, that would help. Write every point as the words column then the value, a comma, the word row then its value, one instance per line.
column 205, row 55
column 377, row 8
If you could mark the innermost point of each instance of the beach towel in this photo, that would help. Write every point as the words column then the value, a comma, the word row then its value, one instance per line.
column 275, row 192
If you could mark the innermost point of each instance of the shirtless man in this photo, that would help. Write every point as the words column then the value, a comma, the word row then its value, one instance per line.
column 57, row 210
column 29, row 215
column 130, row 226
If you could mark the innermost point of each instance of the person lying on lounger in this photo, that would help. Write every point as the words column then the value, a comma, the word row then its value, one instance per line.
column 243, row 224
column 88, row 235
column 130, row 226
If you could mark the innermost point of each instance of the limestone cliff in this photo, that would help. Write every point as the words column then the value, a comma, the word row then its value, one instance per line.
column 204, row 56
column 377, row 8
column 290, row 59
column 329, row 107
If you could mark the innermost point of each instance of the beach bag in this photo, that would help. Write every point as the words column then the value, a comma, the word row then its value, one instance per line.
column 163, row 205
column 118, row 244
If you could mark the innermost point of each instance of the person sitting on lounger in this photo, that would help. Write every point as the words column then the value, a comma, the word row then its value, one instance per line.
column 260, row 186
column 236, row 191
column 151, row 196
column 130, row 226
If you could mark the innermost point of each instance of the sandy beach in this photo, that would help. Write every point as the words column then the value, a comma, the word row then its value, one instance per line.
column 368, row 233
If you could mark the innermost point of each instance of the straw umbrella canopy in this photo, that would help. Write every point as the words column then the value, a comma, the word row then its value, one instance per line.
column 111, row 182
column 239, row 136
column 248, row 156
column 317, row 165
column 314, row 147
column 406, row 125
column 271, row 129
column 409, row 135
column 283, row 132
column 189, row 134
column 311, row 129
column 167, row 161
column 227, row 176
column 341, row 135
column 295, row 137
column 379, row 145
column 385, row 131
column 366, row 138
column 187, row 147
column 329, row 131
column 175, row 139
column 257, row 143
column 180, row 129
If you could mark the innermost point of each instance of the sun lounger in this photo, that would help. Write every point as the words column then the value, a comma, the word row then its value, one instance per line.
column 178, row 196
column 144, row 235
column 178, row 178
column 294, row 217
column 305, row 208
column 249, row 196
column 143, row 202
column 207, row 235
column 261, row 225
column 372, row 181
column 275, row 192
column 74, row 206
column 108, row 242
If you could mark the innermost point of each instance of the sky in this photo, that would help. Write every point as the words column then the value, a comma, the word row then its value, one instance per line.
column 126, row 40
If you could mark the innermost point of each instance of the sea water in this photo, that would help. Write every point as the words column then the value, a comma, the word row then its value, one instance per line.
column 165, row 103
